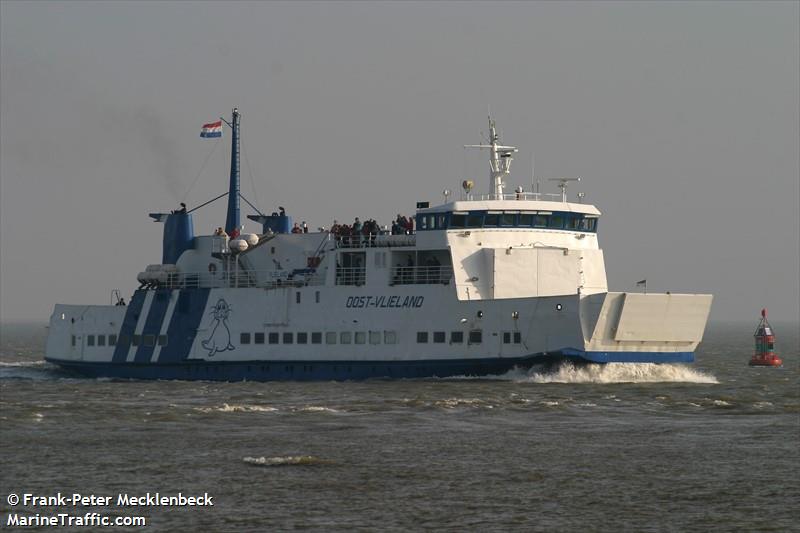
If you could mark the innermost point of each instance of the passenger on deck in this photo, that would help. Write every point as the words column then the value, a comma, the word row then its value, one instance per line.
column 305, row 227
column 296, row 228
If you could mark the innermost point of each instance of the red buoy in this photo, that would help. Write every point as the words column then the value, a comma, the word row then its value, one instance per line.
column 764, row 354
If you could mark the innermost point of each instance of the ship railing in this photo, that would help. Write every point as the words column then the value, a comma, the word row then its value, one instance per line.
column 238, row 278
column 351, row 275
column 374, row 241
column 421, row 275
column 537, row 196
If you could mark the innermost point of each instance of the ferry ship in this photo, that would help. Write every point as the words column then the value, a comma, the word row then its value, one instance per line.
column 481, row 285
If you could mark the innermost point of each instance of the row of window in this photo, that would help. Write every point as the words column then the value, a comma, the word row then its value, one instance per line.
column 475, row 336
column 315, row 337
column 133, row 340
column 507, row 219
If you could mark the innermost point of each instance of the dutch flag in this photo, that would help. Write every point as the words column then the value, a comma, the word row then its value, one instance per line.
column 212, row 129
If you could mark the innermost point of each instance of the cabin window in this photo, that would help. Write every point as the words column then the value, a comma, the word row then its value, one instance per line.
column 345, row 337
column 302, row 338
column 288, row 337
column 506, row 337
column 441, row 221
column 273, row 338
column 316, row 337
column 135, row 340
column 540, row 221
column 517, row 337
column 491, row 220
column 526, row 219
column 456, row 337
column 361, row 337
column 297, row 297
column 90, row 340
column 244, row 338
column 422, row 337
column 508, row 219
column 588, row 224
column 556, row 221
column 475, row 220
column 574, row 222
column 475, row 336
column 330, row 337
column 458, row 221
column 374, row 337
column 149, row 340
column 389, row 337
column 439, row 337
column 316, row 296
column 258, row 337
column 73, row 340
column 112, row 340
column 101, row 340
column 162, row 340
column 124, row 340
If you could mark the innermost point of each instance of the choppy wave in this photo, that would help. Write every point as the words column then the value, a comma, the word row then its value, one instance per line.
column 611, row 373
column 237, row 408
column 288, row 460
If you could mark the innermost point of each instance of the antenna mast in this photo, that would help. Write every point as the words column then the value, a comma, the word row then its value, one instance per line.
column 232, row 222
column 500, row 158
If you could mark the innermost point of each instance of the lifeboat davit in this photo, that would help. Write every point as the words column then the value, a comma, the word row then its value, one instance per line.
column 764, row 354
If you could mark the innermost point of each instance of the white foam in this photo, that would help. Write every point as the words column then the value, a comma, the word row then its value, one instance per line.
column 288, row 460
column 617, row 373
column 237, row 408
column 316, row 409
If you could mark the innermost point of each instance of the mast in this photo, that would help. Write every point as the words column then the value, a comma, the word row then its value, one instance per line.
column 499, row 160
column 232, row 222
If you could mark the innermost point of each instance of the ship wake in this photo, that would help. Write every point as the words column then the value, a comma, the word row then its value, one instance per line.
column 568, row 372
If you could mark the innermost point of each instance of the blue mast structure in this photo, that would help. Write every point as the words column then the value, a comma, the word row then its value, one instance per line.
column 232, row 222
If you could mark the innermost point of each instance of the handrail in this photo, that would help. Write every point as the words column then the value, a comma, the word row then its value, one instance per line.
column 421, row 275
column 235, row 278
column 375, row 241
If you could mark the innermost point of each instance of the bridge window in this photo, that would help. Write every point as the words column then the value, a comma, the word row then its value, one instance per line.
column 458, row 221
column 491, row 220
column 258, row 338
column 541, row 221
column 526, row 219
column 556, row 221
column 244, row 338
column 508, row 219
column 475, row 220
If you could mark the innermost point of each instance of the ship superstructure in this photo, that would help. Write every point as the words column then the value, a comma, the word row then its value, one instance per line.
column 485, row 283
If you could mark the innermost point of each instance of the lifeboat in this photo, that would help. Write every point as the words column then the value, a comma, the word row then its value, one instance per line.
column 764, row 354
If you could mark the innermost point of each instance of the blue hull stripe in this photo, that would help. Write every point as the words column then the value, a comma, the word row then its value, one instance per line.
column 327, row 370
column 190, row 308
column 152, row 326
column 128, row 326
column 630, row 357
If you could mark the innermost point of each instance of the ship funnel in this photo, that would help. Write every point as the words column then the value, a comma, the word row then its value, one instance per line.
column 178, row 235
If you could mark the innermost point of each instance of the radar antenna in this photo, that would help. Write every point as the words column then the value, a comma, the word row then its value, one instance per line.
column 562, row 184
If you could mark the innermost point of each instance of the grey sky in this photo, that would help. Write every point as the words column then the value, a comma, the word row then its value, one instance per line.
column 681, row 118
